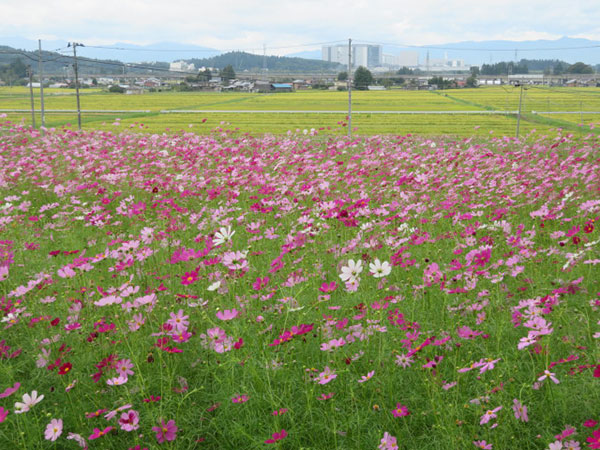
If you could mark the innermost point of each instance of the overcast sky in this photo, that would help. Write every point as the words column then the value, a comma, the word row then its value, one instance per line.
column 247, row 25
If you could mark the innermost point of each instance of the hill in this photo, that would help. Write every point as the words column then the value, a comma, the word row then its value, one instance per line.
column 247, row 61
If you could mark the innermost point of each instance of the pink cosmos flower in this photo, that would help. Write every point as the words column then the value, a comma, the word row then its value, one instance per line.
column 328, row 287
column 388, row 442
column 113, row 413
column 166, row 431
column 53, row 429
column 178, row 321
column 556, row 445
column 77, row 438
column 366, row 377
column 489, row 415
column 548, row 374
column 123, row 367
column 482, row 444
column 117, row 381
column 572, row 445
column 520, row 411
column 276, row 437
column 3, row 414
column 10, row 390
column 129, row 420
column 227, row 314
column 404, row 361
column 326, row 376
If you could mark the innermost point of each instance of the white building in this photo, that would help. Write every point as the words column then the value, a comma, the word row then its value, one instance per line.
column 362, row 55
column 182, row 66
column 404, row 59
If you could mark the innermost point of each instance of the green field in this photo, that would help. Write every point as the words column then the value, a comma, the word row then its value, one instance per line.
column 313, row 110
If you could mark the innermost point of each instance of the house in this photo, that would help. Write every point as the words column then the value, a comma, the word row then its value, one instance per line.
column 151, row 83
column 376, row 88
column 299, row 85
column 262, row 86
column 282, row 87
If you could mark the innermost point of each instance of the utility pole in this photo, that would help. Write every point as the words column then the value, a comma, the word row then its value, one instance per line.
column 265, row 62
column 349, row 88
column 519, row 113
column 30, row 71
column 75, row 45
column 41, row 67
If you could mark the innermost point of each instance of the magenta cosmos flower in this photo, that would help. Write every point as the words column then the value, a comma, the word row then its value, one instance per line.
column 166, row 431
column 10, row 390
column 400, row 411
column 276, row 437
column 189, row 278
column 3, row 414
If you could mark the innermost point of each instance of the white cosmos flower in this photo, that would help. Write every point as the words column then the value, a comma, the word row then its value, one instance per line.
column 351, row 271
column 28, row 402
column 223, row 235
column 216, row 285
column 379, row 269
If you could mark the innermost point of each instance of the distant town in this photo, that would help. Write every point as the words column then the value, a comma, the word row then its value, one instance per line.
column 372, row 69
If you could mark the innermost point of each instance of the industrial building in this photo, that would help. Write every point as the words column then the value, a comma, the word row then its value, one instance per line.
column 362, row 55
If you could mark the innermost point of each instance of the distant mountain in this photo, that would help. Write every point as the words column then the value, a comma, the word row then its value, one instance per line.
column 160, row 51
column 129, row 53
column 566, row 49
column 314, row 54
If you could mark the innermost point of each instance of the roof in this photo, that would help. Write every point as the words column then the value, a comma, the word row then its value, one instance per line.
column 282, row 85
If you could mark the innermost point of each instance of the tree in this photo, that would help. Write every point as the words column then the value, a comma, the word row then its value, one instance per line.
column 116, row 89
column 471, row 81
column 342, row 76
column 580, row 67
column 227, row 73
column 440, row 82
column 474, row 70
column 405, row 71
column 362, row 78
column 13, row 72
column 559, row 68
column 205, row 75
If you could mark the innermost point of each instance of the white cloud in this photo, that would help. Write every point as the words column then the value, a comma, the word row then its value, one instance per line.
column 237, row 24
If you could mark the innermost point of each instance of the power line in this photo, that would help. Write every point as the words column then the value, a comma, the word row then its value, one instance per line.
column 310, row 44
column 436, row 47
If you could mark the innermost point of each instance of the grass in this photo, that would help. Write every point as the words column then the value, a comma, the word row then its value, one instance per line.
column 480, row 99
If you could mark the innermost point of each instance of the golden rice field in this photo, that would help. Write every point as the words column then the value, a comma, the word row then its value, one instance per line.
column 311, row 109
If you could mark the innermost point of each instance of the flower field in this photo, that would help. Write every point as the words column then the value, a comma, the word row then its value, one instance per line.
column 301, row 291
